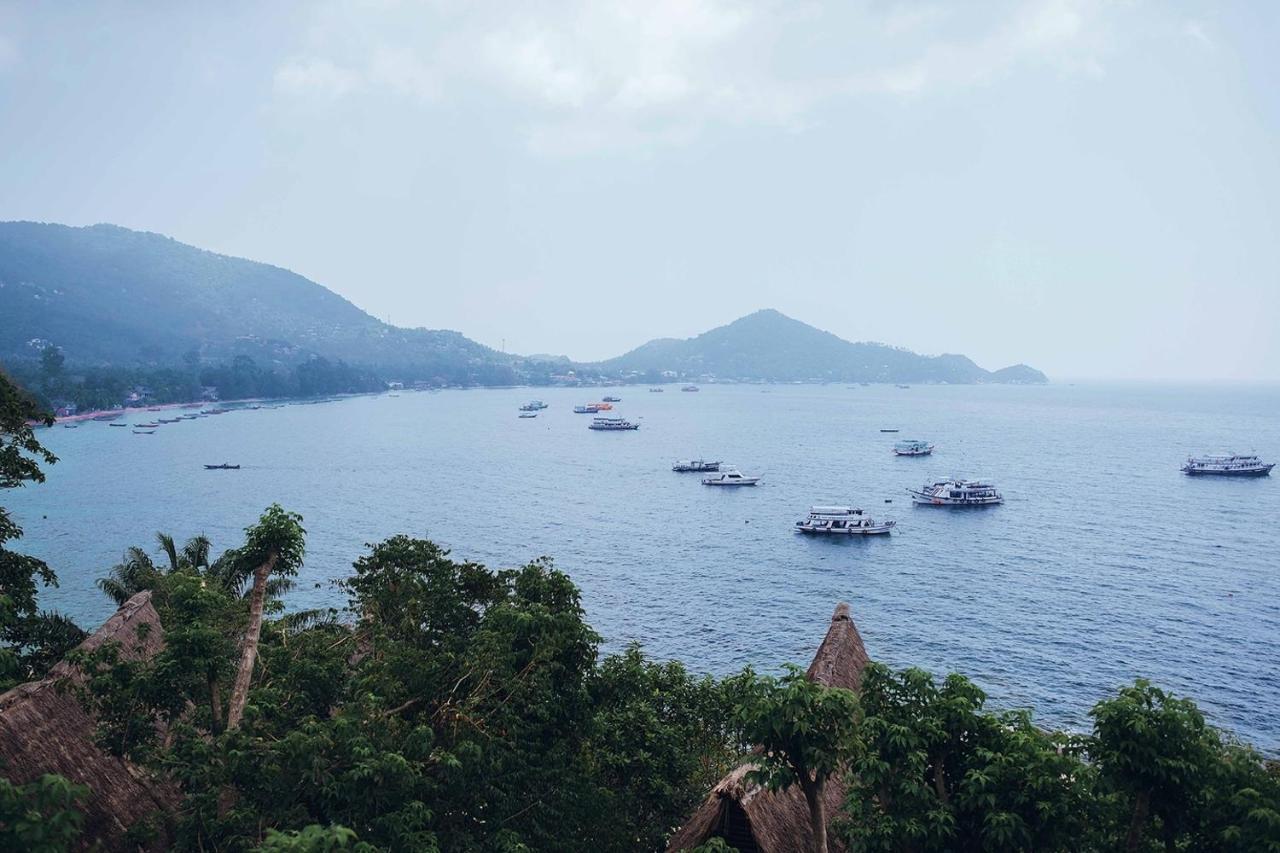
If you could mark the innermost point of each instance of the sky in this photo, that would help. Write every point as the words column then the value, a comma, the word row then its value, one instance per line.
column 1089, row 187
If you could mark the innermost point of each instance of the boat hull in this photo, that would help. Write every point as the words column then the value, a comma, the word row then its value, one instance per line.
column 878, row 530
column 751, row 481
column 928, row 452
column 1261, row 471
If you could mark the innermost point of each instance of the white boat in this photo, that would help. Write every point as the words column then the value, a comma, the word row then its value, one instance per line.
column 699, row 465
column 1227, row 465
column 528, row 414
column 842, row 521
column 732, row 477
column 912, row 447
column 956, row 493
column 533, row 406
column 612, row 424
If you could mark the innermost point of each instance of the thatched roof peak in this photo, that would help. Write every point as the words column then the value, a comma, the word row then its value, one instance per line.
column 753, row 818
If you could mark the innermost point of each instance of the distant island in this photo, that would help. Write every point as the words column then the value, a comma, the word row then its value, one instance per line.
column 127, row 310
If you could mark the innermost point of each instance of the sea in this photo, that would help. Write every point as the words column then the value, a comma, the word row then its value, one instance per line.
column 1104, row 564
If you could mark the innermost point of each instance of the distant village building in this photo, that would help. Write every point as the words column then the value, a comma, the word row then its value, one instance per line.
column 209, row 392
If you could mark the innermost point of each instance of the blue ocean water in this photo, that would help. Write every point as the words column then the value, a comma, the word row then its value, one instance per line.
column 1104, row 564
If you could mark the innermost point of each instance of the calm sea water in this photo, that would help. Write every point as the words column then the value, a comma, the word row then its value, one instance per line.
column 1105, row 563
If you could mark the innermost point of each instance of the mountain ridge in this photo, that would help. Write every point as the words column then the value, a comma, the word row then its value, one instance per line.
column 110, row 295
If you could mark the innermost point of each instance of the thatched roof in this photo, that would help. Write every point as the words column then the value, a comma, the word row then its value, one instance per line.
column 44, row 729
column 756, row 820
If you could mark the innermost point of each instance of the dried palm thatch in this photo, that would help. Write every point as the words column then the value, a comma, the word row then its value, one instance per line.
column 756, row 820
column 45, row 729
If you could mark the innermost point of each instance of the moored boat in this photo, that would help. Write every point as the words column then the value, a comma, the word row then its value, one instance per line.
column 612, row 424
column 691, row 388
column 912, row 447
column 700, row 465
column 612, row 399
column 528, row 414
column 1227, row 465
column 144, row 432
column 533, row 406
column 656, row 390
column 586, row 410
column 225, row 466
column 842, row 521
column 732, row 477
column 117, row 425
column 955, row 492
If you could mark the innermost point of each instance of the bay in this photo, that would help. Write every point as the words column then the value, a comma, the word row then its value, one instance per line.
column 1104, row 564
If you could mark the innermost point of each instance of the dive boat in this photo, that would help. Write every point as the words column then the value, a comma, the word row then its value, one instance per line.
column 732, row 477
column 612, row 424
column 225, row 466
column 586, row 410
column 533, row 406
column 604, row 406
column 912, row 447
column 699, row 465
column 1227, row 465
column 956, row 493
column 612, row 399
column 842, row 521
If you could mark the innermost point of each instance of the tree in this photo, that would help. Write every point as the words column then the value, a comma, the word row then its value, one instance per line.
column 933, row 771
column 137, row 571
column 42, row 816
column 29, row 638
column 51, row 362
column 806, row 732
column 275, row 545
column 1158, row 752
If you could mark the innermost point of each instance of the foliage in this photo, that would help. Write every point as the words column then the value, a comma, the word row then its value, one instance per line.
column 42, row 816
column 30, row 640
column 933, row 771
column 313, row 839
column 806, row 732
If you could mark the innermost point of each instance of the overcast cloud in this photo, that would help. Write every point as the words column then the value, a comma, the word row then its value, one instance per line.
column 1089, row 187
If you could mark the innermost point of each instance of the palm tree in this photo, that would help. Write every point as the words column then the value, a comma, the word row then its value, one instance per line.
column 137, row 571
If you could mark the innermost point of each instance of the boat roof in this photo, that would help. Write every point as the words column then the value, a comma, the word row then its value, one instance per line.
column 834, row 510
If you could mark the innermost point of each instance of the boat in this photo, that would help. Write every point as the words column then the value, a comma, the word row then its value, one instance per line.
column 225, row 466
column 656, row 390
column 528, row 414
column 144, row 432
column 585, row 410
column 888, row 430
column 117, row 425
column 169, row 420
column 732, row 477
column 533, row 406
column 612, row 399
column 699, row 465
column 108, row 417
column 842, row 521
column 912, row 447
column 612, row 424
column 691, row 388
column 603, row 407
column 152, row 425
column 71, row 426
column 903, row 386
column 955, row 492
column 1227, row 465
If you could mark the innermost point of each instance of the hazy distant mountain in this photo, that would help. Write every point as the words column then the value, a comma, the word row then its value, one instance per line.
column 770, row 346
column 108, row 295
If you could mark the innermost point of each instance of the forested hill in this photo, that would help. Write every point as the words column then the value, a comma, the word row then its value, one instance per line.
column 109, row 295
column 770, row 346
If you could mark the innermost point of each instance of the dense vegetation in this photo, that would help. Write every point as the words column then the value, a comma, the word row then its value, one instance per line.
column 451, row 707
column 53, row 383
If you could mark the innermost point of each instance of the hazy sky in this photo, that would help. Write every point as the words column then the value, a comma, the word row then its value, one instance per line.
column 1090, row 187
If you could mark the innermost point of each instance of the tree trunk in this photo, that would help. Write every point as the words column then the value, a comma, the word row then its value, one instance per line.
column 1139, row 820
column 215, row 703
column 240, row 691
column 817, row 813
